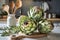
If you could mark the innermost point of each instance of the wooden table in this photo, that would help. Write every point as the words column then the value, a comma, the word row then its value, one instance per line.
column 36, row 35
column 52, row 19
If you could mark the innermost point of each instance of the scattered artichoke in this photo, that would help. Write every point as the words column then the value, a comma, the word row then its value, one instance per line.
column 22, row 19
column 27, row 26
column 45, row 26
column 35, row 13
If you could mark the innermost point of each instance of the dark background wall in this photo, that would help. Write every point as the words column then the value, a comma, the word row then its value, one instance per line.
column 54, row 6
column 27, row 4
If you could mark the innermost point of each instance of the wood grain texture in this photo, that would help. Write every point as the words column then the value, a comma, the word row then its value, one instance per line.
column 52, row 19
column 36, row 35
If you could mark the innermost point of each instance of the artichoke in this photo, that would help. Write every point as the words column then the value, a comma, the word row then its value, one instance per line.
column 45, row 26
column 22, row 19
column 35, row 13
column 27, row 26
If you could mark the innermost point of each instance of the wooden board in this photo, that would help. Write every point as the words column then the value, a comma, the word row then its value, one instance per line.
column 36, row 35
column 54, row 19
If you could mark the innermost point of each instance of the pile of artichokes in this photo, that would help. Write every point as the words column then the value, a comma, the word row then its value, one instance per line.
column 34, row 21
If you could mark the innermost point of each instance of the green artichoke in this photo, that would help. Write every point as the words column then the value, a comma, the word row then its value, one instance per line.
column 45, row 26
column 35, row 13
column 22, row 19
column 27, row 26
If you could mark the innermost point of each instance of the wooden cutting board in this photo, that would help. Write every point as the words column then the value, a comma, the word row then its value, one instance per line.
column 36, row 35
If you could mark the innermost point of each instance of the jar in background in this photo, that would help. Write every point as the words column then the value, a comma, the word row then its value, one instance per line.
column 53, row 15
column 49, row 15
column 11, row 20
column 45, row 15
